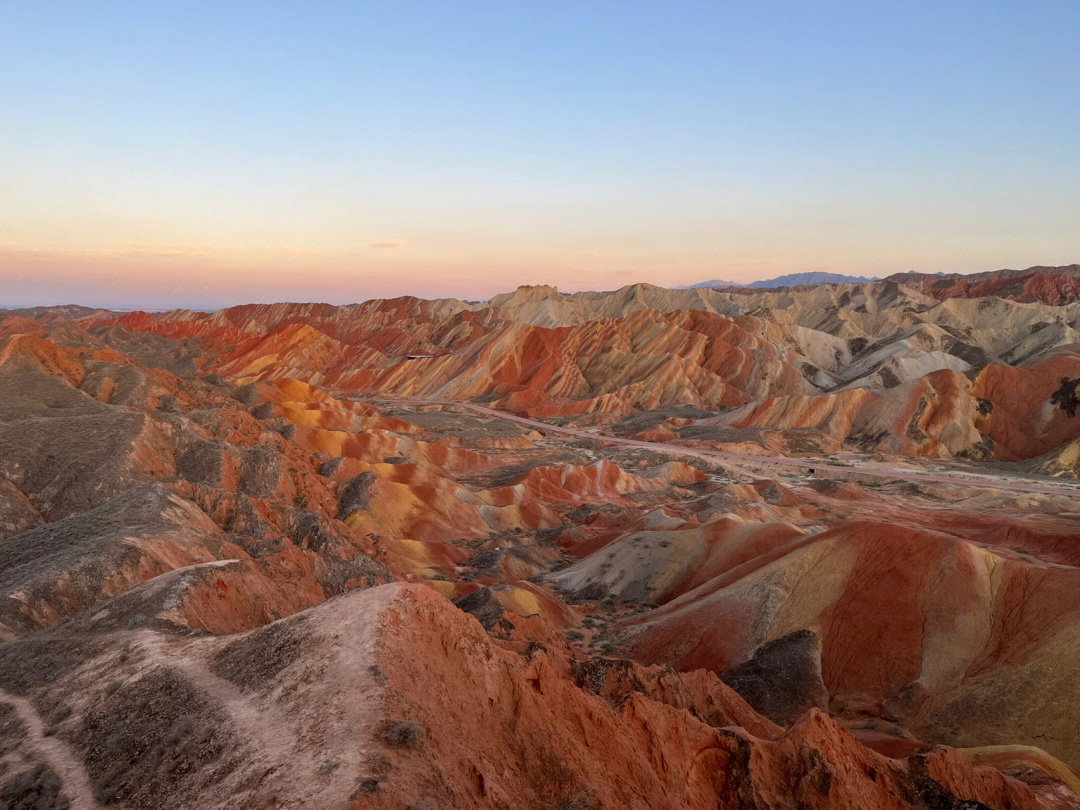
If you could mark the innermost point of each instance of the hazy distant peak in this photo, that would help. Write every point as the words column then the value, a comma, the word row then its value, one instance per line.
column 798, row 279
column 716, row 282
column 789, row 280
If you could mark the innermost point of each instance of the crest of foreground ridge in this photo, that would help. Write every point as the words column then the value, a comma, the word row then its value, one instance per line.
column 392, row 697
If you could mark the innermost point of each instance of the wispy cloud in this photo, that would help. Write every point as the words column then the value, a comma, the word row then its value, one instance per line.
column 393, row 243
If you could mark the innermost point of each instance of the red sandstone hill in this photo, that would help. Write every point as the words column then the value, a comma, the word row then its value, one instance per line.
column 1047, row 285
column 894, row 641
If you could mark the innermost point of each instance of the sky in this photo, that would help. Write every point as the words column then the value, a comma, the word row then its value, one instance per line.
column 155, row 155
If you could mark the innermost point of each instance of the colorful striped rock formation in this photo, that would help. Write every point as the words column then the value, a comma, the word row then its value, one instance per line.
column 811, row 547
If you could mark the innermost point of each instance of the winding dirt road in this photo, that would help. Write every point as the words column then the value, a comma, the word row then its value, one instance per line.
column 829, row 467
column 55, row 752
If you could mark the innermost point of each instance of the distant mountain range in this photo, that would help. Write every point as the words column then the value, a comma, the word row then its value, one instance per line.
column 716, row 282
column 790, row 280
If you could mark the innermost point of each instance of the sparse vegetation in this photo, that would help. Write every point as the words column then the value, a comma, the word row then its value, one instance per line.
column 62, row 713
column 582, row 800
column 12, row 730
column 485, row 606
column 405, row 735
column 259, row 655
column 328, row 765
column 38, row 788
column 144, row 739
column 366, row 787
column 28, row 663
column 559, row 787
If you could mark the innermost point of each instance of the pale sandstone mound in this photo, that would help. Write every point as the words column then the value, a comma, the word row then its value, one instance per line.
column 657, row 566
column 1062, row 461
column 1004, row 412
column 932, row 416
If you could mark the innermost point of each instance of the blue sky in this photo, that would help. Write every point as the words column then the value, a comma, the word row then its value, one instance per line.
column 201, row 154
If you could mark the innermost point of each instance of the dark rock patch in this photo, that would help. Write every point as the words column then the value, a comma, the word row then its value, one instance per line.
column 783, row 678
column 307, row 531
column 200, row 461
column 1065, row 397
column 932, row 795
column 355, row 496
column 484, row 605
column 260, row 471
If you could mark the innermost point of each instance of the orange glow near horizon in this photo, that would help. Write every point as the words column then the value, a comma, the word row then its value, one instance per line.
column 188, row 155
column 165, row 275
